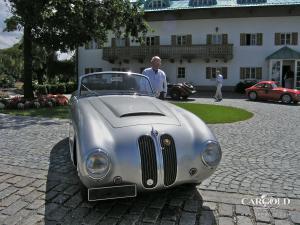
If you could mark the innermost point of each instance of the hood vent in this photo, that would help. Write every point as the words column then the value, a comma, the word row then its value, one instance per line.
column 142, row 114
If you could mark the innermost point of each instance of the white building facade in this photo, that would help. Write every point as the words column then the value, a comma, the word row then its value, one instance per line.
column 249, row 42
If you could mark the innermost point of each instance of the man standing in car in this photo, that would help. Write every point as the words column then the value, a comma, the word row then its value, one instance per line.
column 219, row 83
column 157, row 78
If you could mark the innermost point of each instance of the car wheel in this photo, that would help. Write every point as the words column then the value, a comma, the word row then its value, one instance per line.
column 175, row 94
column 286, row 98
column 252, row 95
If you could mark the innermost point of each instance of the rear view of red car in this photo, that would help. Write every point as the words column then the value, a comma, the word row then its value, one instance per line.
column 269, row 90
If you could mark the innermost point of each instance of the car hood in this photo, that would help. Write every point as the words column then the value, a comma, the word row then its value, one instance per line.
column 122, row 111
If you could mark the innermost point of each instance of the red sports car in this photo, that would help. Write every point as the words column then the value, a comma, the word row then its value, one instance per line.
column 269, row 90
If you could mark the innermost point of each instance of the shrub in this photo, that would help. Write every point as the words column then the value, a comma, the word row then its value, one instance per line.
column 70, row 87
column 241, row 86
column 41, row 89
column 52, row 88
column 61, row 88
column 7, row 81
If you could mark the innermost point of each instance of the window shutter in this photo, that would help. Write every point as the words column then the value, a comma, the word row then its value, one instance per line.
column 258, row 73
column 173, row 40
column 259, row 37
column 295, row 38
column 208, row 72
column 242, row 73
column 189, row 39
column 157, row 40
column 127, row 42
column 277, row 38
column 209, row 39
column 224, row 39
column 242, row 39
column 113, row 42
column 224, row 72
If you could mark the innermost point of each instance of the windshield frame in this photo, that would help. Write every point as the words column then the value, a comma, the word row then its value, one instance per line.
column 111, row 72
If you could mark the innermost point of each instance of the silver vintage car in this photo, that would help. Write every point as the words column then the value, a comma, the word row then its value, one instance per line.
column 123, row 140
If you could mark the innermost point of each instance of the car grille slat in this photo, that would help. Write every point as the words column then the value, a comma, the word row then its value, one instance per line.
column 169, row 159
column 148, row 160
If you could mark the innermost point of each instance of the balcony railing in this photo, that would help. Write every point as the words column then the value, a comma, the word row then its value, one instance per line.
column 224, row 52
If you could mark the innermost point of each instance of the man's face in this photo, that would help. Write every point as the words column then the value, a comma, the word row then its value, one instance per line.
column 156, row 64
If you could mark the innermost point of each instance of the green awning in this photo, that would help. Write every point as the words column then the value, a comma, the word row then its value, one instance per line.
column 285, row 53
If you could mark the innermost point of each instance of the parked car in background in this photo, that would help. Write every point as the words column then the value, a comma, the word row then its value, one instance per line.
column 181, row 90
column 270, row 90
column 123, row 140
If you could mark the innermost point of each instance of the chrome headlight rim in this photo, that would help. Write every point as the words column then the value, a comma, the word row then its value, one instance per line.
column 216, row 163
column 96, row 176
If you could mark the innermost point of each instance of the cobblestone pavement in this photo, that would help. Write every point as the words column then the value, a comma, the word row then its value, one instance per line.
column 38, row 184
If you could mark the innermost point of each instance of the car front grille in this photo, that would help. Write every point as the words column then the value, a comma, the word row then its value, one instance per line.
column 148, row 161
column 169, row 158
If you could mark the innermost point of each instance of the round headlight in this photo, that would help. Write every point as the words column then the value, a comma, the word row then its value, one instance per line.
column 212, row 154
column 98, row 164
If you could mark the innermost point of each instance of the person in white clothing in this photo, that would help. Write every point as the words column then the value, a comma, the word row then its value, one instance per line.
column 219, row 83
column 157, row 78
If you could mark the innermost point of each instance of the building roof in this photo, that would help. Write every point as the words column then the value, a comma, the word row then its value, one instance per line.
column 185, row 4
column 285, row 53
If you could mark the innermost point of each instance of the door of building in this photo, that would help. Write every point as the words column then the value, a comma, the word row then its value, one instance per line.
column 297, row 75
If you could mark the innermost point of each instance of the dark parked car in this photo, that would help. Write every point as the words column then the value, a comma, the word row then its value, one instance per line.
column 181, row 90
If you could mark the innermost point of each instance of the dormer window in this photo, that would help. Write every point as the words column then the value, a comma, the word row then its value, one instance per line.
column 156, row 4
column 251, row 1
column 202, row 2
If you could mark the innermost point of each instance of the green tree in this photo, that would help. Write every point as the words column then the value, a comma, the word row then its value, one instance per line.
column 66, row 24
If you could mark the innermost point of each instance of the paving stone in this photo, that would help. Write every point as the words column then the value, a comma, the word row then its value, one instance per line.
column 170, row 213
column 57, row 214
column 37, row 183
column 8, row 191
column 137, row 209
column 14, row 180
column 129, row 220
column 74, row 201
column 207, row 218
column 93, row 218
column 188, row 218
column 18, row 217
column 243, row 220
column 158, row 203
column 25, row 191
column 71, row 190
column 191, row 206
column 36, row 204
column 32, row 196
column 151, row 215
column 225, row 210
column 24, row 182
column 226, row 221
column 243, row 210
column 279, row 213
column 282, row 222
column 176, row 202
column 295, row 217
column 262, row 215
column 14, row 208
column 34, row 219
column 60, row 198
column 9, row 200
column 4, row 186
column 110, row 221
column 210, row 206
column 5, row 177
column 118, row 211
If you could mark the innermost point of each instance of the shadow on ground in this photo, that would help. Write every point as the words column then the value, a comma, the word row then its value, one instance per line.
column 64, row 204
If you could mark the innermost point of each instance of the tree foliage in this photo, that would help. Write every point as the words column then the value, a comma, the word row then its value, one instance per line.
column 66, row 24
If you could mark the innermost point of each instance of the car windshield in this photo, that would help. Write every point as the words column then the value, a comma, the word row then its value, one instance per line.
column 115, row 83
column 274, row 85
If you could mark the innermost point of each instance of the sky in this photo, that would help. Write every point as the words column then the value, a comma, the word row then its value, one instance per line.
column 7, row 39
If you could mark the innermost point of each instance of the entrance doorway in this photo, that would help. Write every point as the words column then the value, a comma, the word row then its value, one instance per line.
column 287, row 75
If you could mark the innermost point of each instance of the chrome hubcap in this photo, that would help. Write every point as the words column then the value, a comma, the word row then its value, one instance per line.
column 286, row 98
column 252, row 95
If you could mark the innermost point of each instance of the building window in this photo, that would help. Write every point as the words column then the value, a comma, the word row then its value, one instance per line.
column 157, row 4
column 120, row 42
column 120, row 69
column 286, row 38
column 181, row 72
column 181, row 40
column 250, row 73
column 150, row 41
column 92, row 70
column 251, row 39
column 212, row 71
column 251, row 1
column 217, row 39
column 202, row 2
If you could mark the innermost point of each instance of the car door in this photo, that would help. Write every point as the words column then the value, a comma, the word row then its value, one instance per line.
column 267, row 92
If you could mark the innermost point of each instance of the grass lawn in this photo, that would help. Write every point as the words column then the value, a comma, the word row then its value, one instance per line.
column 61, row 112
column 208, row 113
column 216, row 114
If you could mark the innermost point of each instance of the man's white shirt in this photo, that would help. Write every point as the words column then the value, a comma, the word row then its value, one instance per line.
column 157, row 79
column 219, row 79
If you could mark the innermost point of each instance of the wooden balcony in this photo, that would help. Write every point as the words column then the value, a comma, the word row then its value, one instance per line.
column 206, row 52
